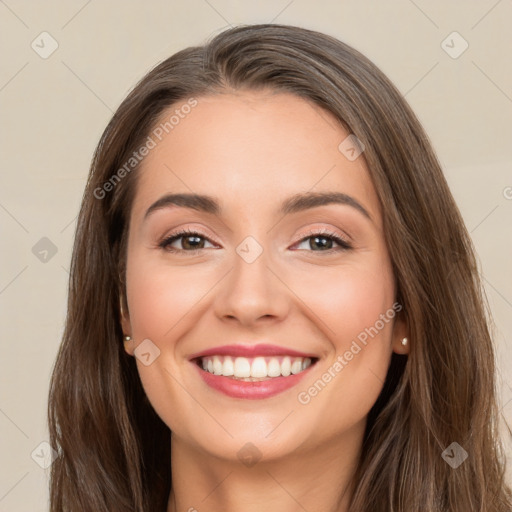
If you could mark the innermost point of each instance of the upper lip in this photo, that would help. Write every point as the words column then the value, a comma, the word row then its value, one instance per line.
column 250, row 351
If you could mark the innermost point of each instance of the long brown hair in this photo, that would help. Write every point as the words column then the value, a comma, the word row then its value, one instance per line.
column 114, row 451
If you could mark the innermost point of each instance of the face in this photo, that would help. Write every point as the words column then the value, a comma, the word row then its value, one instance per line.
column 256, row 284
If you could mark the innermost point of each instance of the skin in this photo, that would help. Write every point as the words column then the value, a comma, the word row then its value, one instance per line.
column 252, row 150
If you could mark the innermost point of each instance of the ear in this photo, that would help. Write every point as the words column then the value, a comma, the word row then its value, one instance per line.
column 129, row 345
column 400, row 331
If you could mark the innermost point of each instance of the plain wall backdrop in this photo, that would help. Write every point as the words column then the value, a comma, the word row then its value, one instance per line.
column 66, row 66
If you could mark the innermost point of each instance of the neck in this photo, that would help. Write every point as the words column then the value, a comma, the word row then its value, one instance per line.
column 315, row 480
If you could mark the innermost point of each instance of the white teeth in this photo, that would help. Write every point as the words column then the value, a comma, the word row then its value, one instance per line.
column 259, row 367
column 228, row 368
column 273, row 368
column 242, row 367
column 286, row 367
column 217, row 365
column 255, row 368
column 296, row 366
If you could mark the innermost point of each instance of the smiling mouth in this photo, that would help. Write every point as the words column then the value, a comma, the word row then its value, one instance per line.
column 254, row 369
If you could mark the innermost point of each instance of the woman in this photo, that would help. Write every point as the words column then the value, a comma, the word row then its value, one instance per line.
column 273, row 302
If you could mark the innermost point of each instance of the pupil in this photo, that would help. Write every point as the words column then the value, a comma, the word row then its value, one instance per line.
column 324, row 244
column 196, row 239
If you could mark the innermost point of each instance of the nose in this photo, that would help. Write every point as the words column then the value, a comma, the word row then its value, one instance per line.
column 253, row 292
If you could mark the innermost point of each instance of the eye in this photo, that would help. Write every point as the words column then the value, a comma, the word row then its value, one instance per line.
column 190, row 241
column 324, row 241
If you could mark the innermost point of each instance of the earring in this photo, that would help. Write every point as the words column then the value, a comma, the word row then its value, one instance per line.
column 404, row 341
column 127, row 338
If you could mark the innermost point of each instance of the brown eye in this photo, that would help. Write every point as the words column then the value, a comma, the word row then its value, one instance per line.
column 190, row 241
column 323, row 242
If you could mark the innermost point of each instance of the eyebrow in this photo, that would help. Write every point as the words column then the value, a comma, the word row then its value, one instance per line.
column 296, row 203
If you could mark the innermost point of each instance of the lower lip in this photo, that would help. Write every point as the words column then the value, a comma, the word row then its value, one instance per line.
column 250, row 390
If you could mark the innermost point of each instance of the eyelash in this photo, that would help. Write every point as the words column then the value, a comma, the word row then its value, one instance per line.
column 344, row 245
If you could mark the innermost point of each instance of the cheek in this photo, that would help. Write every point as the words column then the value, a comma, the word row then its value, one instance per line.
column 346, row 300
column 354, row 308
column 165, row 304
column 160, row 297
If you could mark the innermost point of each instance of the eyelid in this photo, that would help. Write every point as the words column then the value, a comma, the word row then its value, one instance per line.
column 324, row 231
column 190, row 230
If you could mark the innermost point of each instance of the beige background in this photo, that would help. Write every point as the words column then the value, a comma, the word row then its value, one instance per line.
column 54, row 110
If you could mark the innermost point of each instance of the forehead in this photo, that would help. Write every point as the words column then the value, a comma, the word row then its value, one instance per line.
column 251, row 149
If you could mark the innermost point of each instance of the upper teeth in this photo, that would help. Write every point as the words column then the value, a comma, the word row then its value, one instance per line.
column 258, row 367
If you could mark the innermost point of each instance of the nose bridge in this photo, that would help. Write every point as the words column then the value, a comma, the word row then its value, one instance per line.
column 251, row 290
column 251, row 276
column 250, row 250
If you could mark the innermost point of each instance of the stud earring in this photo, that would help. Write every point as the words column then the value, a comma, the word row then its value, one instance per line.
column 404, row 341
column 127, row 338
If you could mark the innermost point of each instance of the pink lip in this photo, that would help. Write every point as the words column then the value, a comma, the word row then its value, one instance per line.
column 250, row 351
column 251, row 390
